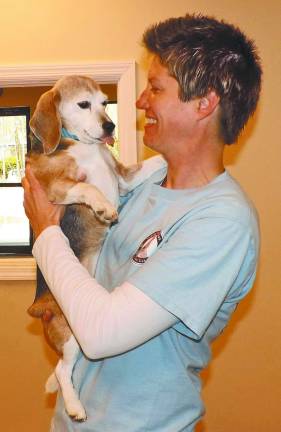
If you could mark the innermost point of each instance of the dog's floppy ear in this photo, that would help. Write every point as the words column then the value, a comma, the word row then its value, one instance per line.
column 45, row 122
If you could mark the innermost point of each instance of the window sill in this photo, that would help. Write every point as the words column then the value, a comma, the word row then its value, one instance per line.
column 17, row 268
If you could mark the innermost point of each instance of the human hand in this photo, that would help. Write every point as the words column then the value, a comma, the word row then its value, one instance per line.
column 39, row 210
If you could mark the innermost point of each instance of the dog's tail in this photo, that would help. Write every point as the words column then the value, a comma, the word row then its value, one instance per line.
column 35, row 311
column 43, row 300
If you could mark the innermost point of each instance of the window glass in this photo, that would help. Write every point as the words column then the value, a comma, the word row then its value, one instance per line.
column 14, row 226
column 15, row 234
column 13, row 145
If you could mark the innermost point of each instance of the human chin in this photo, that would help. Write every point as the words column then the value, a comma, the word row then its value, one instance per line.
column 150, row 134
column 151, row 141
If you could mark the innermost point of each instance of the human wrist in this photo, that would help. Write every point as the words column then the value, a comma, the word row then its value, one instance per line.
column 46, row 233
column 37, row 231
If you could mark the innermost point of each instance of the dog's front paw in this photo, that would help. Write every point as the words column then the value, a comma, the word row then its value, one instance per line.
column 102, row 208
column 105, row 212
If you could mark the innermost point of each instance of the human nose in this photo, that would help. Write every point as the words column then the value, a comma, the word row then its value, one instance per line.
column 142, row 102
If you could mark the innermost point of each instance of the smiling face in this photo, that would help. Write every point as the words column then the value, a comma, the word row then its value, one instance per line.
column 169, row 121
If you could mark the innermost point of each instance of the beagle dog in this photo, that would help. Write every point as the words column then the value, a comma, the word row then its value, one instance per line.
column 70, row 130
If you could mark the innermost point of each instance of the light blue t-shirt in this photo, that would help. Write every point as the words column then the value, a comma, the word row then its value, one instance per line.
column 194, row 252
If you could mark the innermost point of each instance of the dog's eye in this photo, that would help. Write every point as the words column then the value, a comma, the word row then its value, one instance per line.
column 104, row 103
column 84, row 104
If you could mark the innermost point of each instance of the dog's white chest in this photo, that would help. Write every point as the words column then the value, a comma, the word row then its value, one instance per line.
column 93, row 161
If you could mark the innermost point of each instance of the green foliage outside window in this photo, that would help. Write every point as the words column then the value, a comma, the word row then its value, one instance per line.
column 10, row 164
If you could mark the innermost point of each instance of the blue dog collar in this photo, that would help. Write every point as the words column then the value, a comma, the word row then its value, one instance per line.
column 66, row 134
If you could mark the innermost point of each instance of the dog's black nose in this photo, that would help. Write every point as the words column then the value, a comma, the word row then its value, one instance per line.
column 108, row 127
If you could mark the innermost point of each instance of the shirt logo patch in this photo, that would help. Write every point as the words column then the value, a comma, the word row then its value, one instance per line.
column 147, row 247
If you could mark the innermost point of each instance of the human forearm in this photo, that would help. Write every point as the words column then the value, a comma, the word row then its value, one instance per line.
column 104, row 323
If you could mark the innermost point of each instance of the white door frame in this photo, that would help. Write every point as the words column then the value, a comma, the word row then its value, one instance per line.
column 120, row 73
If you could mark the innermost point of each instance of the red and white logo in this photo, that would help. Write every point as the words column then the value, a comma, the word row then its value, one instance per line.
column 147, row 247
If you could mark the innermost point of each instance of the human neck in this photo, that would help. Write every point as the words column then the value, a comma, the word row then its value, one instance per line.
column 195, row 167
column 184, row 178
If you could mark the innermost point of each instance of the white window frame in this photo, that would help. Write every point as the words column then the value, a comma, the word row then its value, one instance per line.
column 120, row 73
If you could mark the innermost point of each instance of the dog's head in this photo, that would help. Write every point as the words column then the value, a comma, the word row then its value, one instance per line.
column 77, row 104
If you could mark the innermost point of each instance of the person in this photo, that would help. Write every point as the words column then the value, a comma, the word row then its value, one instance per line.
column 184, row 251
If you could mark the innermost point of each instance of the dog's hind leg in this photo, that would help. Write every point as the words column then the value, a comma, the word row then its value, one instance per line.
column 63, row 373
column 52, row 384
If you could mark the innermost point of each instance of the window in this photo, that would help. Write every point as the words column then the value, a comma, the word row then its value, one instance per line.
column 15, row 233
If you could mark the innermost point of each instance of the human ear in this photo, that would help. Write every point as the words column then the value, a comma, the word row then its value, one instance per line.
column 207, row 104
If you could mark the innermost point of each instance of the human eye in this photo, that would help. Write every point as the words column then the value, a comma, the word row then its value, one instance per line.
column 104, row 103
column 155, row 89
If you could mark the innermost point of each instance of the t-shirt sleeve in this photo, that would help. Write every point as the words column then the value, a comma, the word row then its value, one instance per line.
column 196, row 268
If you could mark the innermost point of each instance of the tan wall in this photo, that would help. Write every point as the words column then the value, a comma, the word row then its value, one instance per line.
column 28, row 96
column 242, row 386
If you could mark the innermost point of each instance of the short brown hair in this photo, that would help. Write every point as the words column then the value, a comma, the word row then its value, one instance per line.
column 205, row 54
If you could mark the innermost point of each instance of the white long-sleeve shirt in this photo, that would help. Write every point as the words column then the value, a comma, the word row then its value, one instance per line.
column 103, row 323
